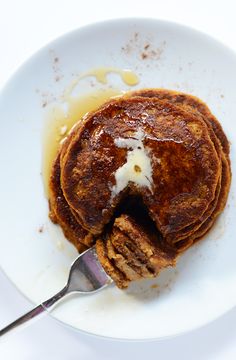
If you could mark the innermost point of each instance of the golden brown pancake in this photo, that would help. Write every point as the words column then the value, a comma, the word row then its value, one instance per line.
column 141, row 227
column 179, row 98
column 149, row 256
column 157, row 254
column 124, row 245
column 222, row 147
column 119, row 278
column 61, row 213
column 121, row 262
column 184, row 183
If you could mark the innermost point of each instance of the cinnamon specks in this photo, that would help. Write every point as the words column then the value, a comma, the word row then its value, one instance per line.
column 144, row 56
column 56, row 66
column 46, row 97
column 144, row 48
column 152, row 53
column 41, row 229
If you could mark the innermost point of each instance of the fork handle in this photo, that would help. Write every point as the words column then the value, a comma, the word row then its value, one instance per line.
column 37, row 312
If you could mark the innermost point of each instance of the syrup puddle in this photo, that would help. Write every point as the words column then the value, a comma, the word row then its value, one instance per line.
column 60, row 117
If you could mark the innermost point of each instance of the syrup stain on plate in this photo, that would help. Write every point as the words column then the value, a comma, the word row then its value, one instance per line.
column 61, row 116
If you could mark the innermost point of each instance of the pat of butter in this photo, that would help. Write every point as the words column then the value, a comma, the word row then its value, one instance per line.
column 138, row 168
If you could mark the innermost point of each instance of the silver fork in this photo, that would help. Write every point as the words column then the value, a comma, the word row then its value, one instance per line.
column 86, row 276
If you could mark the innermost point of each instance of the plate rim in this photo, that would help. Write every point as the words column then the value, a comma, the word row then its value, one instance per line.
column 16, row 70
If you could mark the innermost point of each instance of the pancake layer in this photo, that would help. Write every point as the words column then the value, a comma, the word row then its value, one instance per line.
column 144, row 177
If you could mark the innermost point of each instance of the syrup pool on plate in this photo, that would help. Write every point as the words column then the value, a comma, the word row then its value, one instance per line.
column 61, row 116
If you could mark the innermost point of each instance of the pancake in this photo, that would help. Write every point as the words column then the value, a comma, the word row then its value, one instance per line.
column 149, row 256
column 184, row 149
column 120, row 279
column 226, row 180
column 124, row 246
column 179, row 98
column 144, row 177
column 222, row 147
column 157, row 254
column 121, row 263
column 61, row 213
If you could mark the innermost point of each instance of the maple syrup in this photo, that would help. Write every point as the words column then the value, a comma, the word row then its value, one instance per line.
column 127, row 76
column 60, row 117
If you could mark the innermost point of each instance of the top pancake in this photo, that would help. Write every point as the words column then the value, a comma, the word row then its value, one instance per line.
column 194, row 103
column 186, row 167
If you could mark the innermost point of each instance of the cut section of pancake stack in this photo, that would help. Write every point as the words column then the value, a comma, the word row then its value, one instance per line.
column 143, row 177
column 129, row 252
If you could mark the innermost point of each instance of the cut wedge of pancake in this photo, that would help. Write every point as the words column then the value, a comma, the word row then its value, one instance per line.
column 145, row 257
column 119, row 278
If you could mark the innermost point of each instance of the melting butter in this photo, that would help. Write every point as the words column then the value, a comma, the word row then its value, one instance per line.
column 138, row 168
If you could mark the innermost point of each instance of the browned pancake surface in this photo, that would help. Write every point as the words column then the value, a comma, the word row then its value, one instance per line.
column 184, row 182
column 191, row 175
column 61, row 213
column 220, row 141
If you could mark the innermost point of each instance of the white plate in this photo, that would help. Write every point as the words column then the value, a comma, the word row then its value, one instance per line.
column 202, row 286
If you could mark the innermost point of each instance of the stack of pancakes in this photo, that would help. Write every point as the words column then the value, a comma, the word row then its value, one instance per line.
column 141, row 215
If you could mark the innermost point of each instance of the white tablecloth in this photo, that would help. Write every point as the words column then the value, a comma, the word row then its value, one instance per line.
column 27, row 25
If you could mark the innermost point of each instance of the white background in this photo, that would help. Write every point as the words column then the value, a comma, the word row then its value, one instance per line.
column 26, row 26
